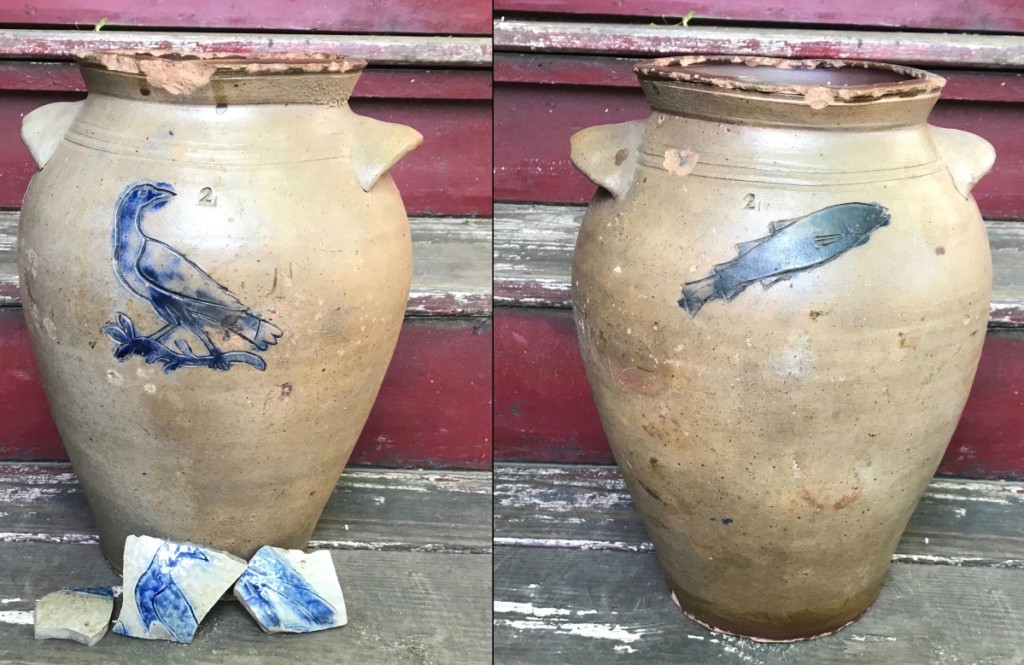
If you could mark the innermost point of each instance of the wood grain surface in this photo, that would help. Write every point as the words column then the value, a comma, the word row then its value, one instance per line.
column 433, row 409
column 583, row 607
column 400, row 16
column 449, row 174
column 544, row 411
column 451, row 265
column 920, row 48
column 958, row 522
column 395, row 536
column 377, row 49
column 617, row 72
column 533, row 246
column 576, row 581
column 983, row 16
column 533, row 166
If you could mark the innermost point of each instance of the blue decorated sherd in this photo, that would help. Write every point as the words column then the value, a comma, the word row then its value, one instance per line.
column 82, row 615
column 289, row 591
column 169, row 587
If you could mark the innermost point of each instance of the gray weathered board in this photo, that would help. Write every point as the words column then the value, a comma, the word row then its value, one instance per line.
column 576, row 581
column 533, row 247
column 451, row 265
column 445, row 51
column 919, row 48
column 396, row 537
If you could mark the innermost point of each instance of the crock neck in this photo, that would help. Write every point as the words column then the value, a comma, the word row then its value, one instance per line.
column 221, row 78
column 816, row 94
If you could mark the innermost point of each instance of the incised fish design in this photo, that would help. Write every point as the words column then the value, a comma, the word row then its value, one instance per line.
column 792, row 246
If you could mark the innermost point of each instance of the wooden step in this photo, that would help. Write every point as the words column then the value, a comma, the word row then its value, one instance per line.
column 576, row 581
column 984, row 15
column 433, row 409
column 395, row 536
column 448, row 51
column 451, row 265
column 408, row 16
column 919, row 48
column 533, row 246
column 554, row 419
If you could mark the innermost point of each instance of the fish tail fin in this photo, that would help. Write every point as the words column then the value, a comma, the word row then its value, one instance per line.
column 695, row 294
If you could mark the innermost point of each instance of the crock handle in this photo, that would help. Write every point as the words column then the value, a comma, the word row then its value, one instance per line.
column 377, row 146
column 968, row 157
column 607, row 154
column 42, row 130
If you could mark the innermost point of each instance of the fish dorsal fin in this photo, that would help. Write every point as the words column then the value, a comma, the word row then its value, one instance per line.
column 745, row 247
column 826, row 239
column 781, row 224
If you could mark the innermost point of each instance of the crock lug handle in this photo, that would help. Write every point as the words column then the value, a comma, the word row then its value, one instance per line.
column 968, row 157
column 42, row 130
column 377, row 146
column 607, row 154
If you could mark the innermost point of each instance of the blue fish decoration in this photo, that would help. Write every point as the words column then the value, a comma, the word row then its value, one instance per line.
column 282, row 600
column 179, row 291
column 791, row 247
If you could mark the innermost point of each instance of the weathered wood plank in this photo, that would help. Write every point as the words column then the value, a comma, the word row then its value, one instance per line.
column 433, row 409
column 399, row 50
column 376, row 82
column 533, row 246
column 572, row 606
column 407, row 16
column 451, row 265
column 925, row 49
column 405, row 608
column 533, row 166
column 588, row 507
column 450, row 174
column 370, row 509
column 544, row 411
column 985, row 16
column 606, row 71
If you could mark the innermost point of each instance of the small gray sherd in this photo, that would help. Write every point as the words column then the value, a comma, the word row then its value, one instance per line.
column 170, row 587
column 82, row 615
column 289, row 591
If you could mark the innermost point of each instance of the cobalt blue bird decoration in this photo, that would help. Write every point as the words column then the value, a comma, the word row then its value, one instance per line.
column 160, row 600
column 179, row 291
column 281, row 598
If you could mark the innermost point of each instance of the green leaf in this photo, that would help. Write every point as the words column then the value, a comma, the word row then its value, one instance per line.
column 99, row 26
column 686, row 19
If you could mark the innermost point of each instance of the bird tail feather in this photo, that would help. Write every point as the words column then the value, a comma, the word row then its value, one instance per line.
column 258, row 332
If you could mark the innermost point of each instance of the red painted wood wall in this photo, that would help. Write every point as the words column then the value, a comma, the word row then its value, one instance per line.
column 543, row 407
column 434, row 409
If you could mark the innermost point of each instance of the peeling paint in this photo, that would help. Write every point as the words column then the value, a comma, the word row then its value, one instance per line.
column 598, row 631
column 17, row 617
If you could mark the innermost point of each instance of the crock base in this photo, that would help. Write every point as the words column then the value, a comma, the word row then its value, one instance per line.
column 767, row 640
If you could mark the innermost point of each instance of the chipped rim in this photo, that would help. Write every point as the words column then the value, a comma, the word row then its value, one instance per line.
column 128, row 61
column 918, row 82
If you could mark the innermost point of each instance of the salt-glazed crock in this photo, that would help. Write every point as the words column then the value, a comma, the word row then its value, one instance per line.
column 214, row 268
column 781, row 291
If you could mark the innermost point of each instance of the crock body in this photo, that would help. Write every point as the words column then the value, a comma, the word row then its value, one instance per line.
column 780, row 310
column 204, row 285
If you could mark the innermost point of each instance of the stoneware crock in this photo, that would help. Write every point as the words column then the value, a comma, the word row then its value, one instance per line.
column 214, row 268
column 781, row 291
